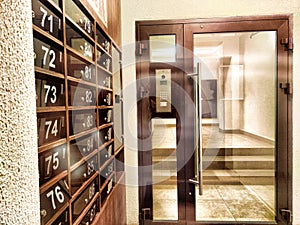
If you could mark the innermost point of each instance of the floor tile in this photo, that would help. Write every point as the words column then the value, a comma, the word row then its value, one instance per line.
column 213, row 210
column 165, row 209
column 249, row 210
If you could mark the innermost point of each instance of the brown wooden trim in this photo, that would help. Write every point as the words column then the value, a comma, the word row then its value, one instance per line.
column 52, row 145
column 40, row 31
column 120, row 149
column 210, row 20
column 54, row 180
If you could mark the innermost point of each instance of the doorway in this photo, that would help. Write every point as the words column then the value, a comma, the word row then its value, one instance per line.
column 213, row 121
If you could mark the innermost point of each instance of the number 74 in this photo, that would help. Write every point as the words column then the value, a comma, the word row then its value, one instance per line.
column 54, row 130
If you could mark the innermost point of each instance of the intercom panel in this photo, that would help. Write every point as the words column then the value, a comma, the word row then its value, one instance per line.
column 163, row 90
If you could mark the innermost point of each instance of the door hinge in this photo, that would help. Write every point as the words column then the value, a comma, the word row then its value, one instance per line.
column 287, row 214
column 288, row 43
column 145, row 215
column 139, row 48
column 287, row 88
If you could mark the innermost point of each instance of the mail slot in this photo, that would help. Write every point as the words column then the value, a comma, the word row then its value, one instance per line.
column 105, row 154
column 105, row 97
column 83, row 173
column 81, row 147
column 49, row 91
column 53, row 199
column 105, row 135
column 52, row 162
column 81, row 95
column 80, row 68
column 82, row 120
column 51, row 127
column 84, row 199
column 105, row 116
column 106, row 172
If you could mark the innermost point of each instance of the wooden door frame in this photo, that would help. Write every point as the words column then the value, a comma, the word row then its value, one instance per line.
column 146, row 89
column 283, row 25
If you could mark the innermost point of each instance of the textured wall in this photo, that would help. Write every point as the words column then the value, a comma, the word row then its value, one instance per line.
column 19, row 188
column 133, row 10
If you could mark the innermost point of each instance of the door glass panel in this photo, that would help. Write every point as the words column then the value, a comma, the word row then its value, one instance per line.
column 162, row 48
column 118, row 105
column 164, row 169
column 238, row 99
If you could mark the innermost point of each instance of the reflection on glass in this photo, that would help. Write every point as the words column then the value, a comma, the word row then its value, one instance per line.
column 162, row 48
column 79, row 17
column 238, row 127
column 78, row 43
column 164, row 170
column 117, row 86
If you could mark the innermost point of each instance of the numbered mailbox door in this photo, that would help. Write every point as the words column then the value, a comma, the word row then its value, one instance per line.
column 81, row 147
column 53, row 199
column 90, row 216
column 81, row 95
column 105, row 98
column 49, row 92
column 51, row 127
column 63, row 219
column 85, row 198
column 48, row 56
column 82, row 120
column 83, row 173
column 46, row 19
column 80, row 68
column 105, row 135
column 76, row 12
column 52, row 162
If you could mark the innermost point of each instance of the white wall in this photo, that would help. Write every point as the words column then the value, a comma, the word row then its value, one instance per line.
column 133, row 10
column 259, row 59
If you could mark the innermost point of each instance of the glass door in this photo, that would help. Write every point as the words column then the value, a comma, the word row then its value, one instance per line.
column 214, row 121
column 235, row 101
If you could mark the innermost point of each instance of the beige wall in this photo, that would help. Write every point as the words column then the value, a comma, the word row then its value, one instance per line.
column 133, row 10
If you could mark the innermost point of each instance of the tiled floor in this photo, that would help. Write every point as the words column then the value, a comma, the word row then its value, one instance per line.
column 220, row 202
column 233, row 203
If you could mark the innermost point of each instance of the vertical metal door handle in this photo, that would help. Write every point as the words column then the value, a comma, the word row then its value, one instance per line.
column 198, row 129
